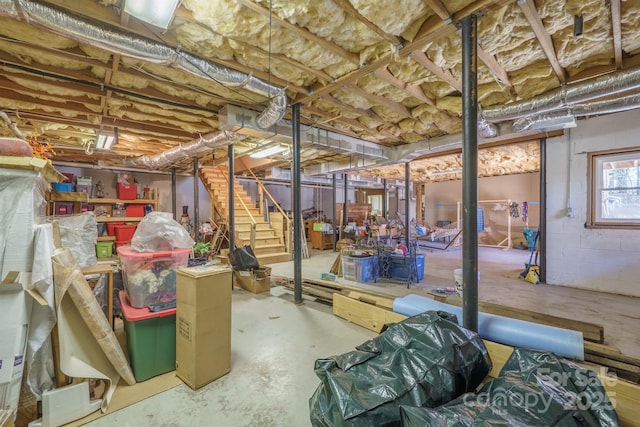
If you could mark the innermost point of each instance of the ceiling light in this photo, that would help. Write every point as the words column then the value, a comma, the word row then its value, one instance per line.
column 104, row 140
column 156, row 12
column 274, row 149
column 450, row 172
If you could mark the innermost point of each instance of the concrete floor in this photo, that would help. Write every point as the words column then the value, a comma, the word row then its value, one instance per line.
column 275, row 342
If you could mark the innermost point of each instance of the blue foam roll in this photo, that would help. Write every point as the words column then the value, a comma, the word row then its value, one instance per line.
column 517, row 333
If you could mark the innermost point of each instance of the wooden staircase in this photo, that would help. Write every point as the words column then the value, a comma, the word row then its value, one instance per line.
column 268, row 243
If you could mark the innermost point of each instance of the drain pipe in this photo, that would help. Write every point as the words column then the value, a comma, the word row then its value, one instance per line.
column 12, row 125
column 470, row 172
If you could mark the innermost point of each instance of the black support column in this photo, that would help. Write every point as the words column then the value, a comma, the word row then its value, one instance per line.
column 173, row 193
column 333, row 211
column 470, row 172
column 230, row 201
column 407, row 202
column 297, row 212
column 384, row 198
column 196, row 201
column 542, row 229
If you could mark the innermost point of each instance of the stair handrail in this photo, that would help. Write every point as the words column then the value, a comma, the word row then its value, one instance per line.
column 253, row 221
column 275, row 203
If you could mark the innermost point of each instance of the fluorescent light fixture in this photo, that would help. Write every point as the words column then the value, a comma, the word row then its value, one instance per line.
column 104, row 140
column 274, row 149
column 451, row 172
column 156, row 12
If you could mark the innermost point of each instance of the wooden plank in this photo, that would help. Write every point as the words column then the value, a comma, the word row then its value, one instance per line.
column 363, row 314
column 70, row 196
column 590, row 331
column 379, row 301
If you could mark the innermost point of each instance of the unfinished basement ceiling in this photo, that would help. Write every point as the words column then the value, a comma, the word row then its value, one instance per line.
column 385, row 72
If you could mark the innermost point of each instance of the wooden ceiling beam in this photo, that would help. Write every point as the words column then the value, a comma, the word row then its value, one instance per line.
column 308, row 35
column 380, row 100
column 421, row 58
column 617, row 32
column 352, row 11
column 414, row 90
column 439, row 8
column 490, row 61
column 528, row 7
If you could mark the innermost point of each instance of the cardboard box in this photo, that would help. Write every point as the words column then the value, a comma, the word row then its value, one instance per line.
column 255, row 281
column 15, row 314
column 203, row 324
column 6, row 418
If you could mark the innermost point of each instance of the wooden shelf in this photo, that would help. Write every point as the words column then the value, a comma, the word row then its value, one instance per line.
column 57, row 196
column 114, row 201
column 119, row 219
column 106, row 238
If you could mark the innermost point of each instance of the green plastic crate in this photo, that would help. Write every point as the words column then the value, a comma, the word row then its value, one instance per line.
column 104, row 249
column 151, row 339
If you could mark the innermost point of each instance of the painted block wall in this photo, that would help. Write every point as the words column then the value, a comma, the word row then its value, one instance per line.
column 597, row 259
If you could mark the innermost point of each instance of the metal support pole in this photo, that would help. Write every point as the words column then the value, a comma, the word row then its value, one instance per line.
column 407, row 204
column 173, row 193
column 231, row 200
column 297, row 211
column 384, row 198
column 333, row 218
column 345, row 209
column 470, row 172
column 542, row 229
column 196, row 201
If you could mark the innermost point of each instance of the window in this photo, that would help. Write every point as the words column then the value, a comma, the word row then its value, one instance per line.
column 614, row 193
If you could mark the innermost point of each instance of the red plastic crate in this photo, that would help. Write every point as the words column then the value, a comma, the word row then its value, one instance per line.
column 127, row 191
column 124, row 233
column 121, row 243
column 111, row 227
column 64, row 208
column 135, row 210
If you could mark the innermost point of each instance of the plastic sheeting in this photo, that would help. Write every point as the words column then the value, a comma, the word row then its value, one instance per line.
column 517, row 333
column 79, row 234
column 533, row 389
column 425, row 360
column 158, row 232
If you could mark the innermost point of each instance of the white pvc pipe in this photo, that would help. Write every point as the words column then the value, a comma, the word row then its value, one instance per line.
column 517, row 333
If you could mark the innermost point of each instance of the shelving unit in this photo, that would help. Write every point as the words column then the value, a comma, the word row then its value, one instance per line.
column 109, row 202
column 54, row 197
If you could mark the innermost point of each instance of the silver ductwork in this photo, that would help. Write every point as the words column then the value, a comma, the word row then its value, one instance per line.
column 566, row 114
column 568, row 96
column 192, row 149
column 126, row 44
column 486, row 129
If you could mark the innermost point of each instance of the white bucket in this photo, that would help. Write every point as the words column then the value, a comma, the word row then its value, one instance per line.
column 457, row 276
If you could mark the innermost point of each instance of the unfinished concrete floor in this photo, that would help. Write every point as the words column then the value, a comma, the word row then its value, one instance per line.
column 275, row 342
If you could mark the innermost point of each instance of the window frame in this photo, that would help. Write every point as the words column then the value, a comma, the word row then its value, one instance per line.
column 594, row 204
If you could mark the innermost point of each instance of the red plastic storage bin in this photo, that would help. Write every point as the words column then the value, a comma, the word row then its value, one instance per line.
column 127, row 191
column 135, row 210
column 64, row 208
column 124, row 233
column 120, row 243
column 111, row 227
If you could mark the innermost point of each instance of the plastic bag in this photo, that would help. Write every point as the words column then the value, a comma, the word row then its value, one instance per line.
column 78, row 233
column 533, row 389
column 243, row 258
column 158, row 231
column 425, row 360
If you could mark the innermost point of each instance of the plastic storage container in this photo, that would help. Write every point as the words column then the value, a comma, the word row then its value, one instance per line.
column 124, row 233
column 127, row 191
column 134, row 210
column 150, row 277
column 104, row 249
column 63, row 208
column 151, row 339
column 360, row 269
column 111, row 227
column 400, row 266
column 62, row 187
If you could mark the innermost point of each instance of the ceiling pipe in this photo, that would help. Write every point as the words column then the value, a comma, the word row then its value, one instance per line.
column 12, row 125
column 192, row 149
column 608, row 106
column 568, row 95
column 127, row 44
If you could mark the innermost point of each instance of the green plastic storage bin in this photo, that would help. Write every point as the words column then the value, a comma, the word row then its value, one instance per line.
column 104, row 249
column 151, row 339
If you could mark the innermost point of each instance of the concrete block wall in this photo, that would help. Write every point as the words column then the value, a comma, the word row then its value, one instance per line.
column 597, row 259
